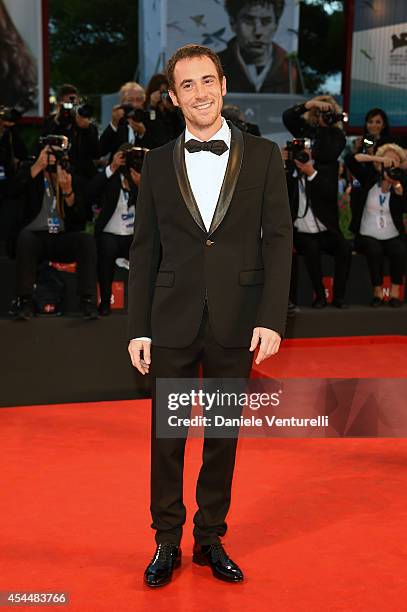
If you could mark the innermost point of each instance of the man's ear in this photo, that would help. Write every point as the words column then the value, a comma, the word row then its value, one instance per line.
column 223, row 86
column 173, row 97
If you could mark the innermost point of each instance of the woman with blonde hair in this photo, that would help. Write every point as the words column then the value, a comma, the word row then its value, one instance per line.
column 377, row 216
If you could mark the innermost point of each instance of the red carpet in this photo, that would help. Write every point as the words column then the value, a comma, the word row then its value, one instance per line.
column 317, row 525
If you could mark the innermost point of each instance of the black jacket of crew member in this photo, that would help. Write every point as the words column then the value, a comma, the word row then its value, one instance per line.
column 367, row 177
column 105, row 193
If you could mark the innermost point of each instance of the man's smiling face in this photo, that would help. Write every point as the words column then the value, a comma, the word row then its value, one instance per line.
column 198, row 91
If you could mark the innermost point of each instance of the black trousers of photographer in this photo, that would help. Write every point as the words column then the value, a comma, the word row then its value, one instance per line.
column 34, row 247
column 312, row 246
column 376, row 250
column 109, row 248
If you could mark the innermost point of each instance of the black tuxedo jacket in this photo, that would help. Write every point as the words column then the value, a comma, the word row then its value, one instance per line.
column 321, row 197
column 240, row 268
column 105, row 192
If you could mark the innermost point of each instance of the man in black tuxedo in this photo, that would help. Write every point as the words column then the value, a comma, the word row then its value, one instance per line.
column 209, row 279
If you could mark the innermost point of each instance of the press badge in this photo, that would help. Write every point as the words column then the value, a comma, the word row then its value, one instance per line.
column 54, row 222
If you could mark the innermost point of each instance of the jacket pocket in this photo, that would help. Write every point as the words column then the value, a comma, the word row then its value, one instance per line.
column 165, row 279
column 251, row 277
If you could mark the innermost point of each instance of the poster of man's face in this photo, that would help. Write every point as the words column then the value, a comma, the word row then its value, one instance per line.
column 21, row 67
column 256, row 39
column 255, row 26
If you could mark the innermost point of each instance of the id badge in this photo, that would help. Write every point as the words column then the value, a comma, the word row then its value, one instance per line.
column 2, row 173
column 54, row 225
column 381, row 222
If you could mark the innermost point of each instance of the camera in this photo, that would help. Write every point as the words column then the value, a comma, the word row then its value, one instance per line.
column 164, row 95
column 70, row 109
column 58, row 147
column 331, row 117
column 12, row 115
column 367, row 143
column 396, row 174
column 296, row 149
column 137, row 114
column 134, row 158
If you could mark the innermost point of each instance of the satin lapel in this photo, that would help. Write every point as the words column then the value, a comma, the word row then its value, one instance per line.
column 183, row 182
column 231, row 176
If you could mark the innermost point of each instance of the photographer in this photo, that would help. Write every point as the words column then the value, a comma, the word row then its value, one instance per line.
column 319, row 120
column 167, row 121
column 53, row 214
column 74, row 120
column 115, row 189
column 232, row 113
column 130, row 122
column 377, row 216
column 315, row 217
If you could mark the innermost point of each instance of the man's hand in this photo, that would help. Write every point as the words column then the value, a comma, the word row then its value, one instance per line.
column 135, row 348
column 117, row 114
column 137, row 127
column 41, row 162
column 308, row 167
column 135, row 177
column 318, row 104
column 64, row 179
column 118, row 160
column 269, row 343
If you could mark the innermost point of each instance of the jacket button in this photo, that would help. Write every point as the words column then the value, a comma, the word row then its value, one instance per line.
column 209, row 243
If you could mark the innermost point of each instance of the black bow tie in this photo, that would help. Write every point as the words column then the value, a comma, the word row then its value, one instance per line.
column 214, row 146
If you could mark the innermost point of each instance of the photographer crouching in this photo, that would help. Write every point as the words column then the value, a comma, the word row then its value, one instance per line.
column 312, row 178
column 74, row 119
column 53, row 214
column 377, row 216
column 115, row 190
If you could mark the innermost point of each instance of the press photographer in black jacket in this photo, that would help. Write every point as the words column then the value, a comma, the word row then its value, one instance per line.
column 130, row 122
column 52, row 214
column 74, row 120
column 377, row 216
column 313, row 189
column 115, row 191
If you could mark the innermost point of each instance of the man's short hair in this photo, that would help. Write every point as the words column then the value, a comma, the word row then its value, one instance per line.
column 233, row 7
column 130, row 86
column 65, row 90
column 188, row 52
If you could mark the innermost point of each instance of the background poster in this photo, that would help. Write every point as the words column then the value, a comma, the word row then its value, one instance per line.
column 378, row 73
column 21, row 72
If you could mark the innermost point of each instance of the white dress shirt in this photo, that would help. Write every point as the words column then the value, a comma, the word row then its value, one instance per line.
column 308, row 222
column 121, row 223
column 377, row 221
column 206, row 172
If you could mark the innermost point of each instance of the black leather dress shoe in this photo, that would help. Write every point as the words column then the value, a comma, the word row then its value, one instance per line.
column 216, row 557
column 395, row 302
column 376, row 302
column 319, row 302
column 340, row 303
column 159, row 571
column 104, row 309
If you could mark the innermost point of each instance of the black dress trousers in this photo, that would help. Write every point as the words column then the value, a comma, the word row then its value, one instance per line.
column 213, row 491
